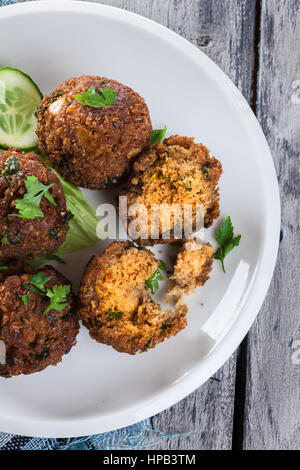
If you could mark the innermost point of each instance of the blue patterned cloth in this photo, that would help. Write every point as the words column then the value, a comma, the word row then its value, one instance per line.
column 2, row 4
column 142, row 434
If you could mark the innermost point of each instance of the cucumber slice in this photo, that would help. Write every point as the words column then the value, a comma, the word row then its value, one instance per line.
column 19, row 99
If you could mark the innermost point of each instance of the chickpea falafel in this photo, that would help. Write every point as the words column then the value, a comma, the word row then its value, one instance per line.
column 175, row 172
column 115, row 304
column 19, row 236
column 35, row 340
column 93, row 147
column 192, row 267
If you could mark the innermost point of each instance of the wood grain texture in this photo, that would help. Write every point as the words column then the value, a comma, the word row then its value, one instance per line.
column 273, row 383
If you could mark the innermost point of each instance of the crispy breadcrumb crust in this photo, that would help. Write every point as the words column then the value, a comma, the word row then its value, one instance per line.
column 34, row 341
column 177, row 171
column 192, row 268
column 21, row 237
column 93, row 147
column 116, row 306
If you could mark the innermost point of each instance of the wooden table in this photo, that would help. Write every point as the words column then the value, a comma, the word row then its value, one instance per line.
column 253, row 402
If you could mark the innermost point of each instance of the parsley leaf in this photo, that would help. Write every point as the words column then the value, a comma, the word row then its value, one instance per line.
column 114, row 314
column 4, row 239
column 205, row 172
column 29, row 206
column 12, row 165
column 227, row 241
column 3, row 267
column 58, row 298
column 157, row 135
column 96, row 100
column 29, row 287
column 152, row 281
column 26, row 299
column 162, row 266
column 39, row 280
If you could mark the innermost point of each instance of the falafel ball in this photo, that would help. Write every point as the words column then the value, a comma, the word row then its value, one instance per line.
column 176, row 172
column 193, row 265
column 115, row 304
column 19, row 236
column 93, row 147
column 10, row 266
column 34, row 339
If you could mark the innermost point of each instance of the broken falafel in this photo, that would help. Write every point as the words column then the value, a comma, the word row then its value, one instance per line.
column 193, row 265
column 115, row 304
column 176, row 172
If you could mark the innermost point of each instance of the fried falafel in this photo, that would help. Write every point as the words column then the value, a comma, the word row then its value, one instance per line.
column 115, row 304
column 176, row 173
column 193, row 265
column 35, row 338
column 93, row 147
column 21, row 236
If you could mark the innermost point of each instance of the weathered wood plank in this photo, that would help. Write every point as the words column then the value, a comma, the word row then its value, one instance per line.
column 273, row 385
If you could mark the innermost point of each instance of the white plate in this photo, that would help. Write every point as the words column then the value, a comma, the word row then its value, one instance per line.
column 96, row 389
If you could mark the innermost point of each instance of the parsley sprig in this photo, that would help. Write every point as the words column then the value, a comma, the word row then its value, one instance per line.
column 152, row 281
column 26, row 299
column 157, row 135
column 57, row 294
column 4, row 239
column 58, row 298
column 39, row 280
column 3, row 266
column 12, row 165
column 227, row 241
column 29, row 206
column 114, row 314
column 94, row 99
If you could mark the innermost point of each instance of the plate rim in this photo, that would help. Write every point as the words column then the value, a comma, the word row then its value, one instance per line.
column 261, row 280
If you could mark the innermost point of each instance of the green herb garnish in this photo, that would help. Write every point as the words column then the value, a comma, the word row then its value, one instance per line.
column 7, row 178
column 57, row 294
column 56, row 95
column 96, row 100
column 152, row 281
column 205, row 172
column 58, row 298
column 57, row 258
column 26, row 299
column 12, row 165
column 162, row 266
column 115, row 314
column 39, row 280
column 29, row 206
column 84, row 228
column 157, row 135
column 187, row 188
column 3, row 266
column 227, row 241
column 29, row 287
column 4, row 239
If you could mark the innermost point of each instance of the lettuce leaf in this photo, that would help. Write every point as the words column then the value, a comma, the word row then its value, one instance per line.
column 82, row 227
